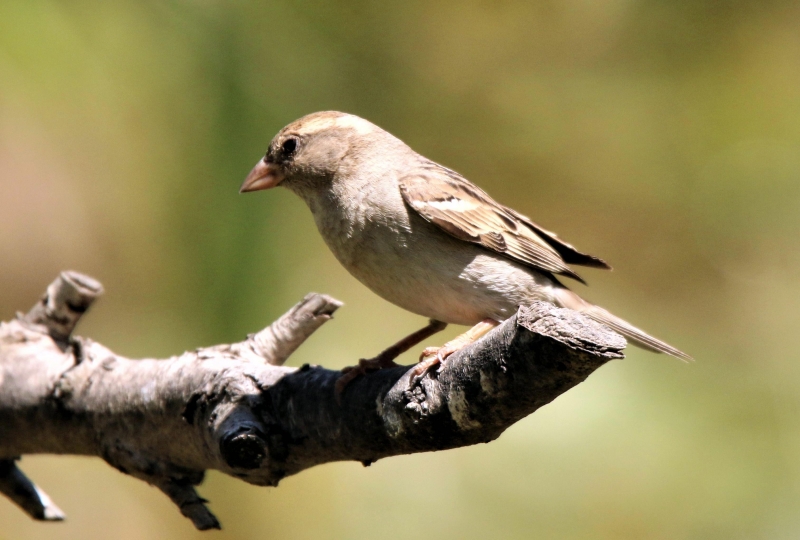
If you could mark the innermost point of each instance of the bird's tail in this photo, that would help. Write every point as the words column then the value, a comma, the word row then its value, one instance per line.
column 571, row 300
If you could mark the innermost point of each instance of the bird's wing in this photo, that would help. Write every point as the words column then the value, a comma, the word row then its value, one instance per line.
column 448, row 200
column 567, row 251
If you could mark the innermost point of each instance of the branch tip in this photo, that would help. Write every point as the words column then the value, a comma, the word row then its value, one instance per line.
column 82, row 283
column 571, row 328
column 65, row 301
column 279, row 340
column 191, row 505
column 35, row 502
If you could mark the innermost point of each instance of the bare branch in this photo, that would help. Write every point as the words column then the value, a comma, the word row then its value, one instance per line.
column 16, row 486
column 65, row 301
column 190, row 504
column 279, row 340
column 168, row 421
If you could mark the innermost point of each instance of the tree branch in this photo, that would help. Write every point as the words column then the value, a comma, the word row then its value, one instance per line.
column 236, row 409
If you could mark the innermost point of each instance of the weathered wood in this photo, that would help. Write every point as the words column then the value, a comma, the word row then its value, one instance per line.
column 235, row 409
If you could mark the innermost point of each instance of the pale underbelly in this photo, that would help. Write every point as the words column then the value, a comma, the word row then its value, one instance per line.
column 447, row 279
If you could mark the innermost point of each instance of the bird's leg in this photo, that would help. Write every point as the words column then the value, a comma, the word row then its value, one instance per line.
column 433, row 356
column 386, row 358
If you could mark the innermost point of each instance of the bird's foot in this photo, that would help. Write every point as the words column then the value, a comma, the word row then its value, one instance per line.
column 365, row 366
column 430, row 358
column 436, row 356
column 386, row 358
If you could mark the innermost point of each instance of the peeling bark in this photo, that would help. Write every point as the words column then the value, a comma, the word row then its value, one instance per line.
column 236, row 409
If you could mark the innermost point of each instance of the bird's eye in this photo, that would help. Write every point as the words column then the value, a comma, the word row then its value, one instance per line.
column 289, row 146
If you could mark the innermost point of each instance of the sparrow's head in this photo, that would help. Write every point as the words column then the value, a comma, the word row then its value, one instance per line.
column 309, row 152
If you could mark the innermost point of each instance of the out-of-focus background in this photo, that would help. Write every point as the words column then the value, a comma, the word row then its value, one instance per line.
column 661, row 136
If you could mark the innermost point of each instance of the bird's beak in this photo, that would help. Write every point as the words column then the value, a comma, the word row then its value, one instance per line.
column 263, row 176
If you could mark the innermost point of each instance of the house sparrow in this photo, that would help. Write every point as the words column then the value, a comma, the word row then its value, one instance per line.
column 422, row 236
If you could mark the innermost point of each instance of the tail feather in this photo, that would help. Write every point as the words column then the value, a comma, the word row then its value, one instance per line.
column 637, row 337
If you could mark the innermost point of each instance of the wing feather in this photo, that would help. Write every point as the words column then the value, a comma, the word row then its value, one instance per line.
column 465, row 211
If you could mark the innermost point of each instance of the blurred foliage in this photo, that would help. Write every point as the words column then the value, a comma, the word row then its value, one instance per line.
column 662, row 136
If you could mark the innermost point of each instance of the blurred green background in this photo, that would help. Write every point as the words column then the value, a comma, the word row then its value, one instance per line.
column 662, row 136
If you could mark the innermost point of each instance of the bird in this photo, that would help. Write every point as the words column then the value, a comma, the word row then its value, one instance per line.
column 423, row 237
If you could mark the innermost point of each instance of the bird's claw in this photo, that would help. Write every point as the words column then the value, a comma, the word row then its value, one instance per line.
column 430, row 358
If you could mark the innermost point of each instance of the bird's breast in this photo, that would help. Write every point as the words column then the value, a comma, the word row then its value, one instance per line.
column 415, row 265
